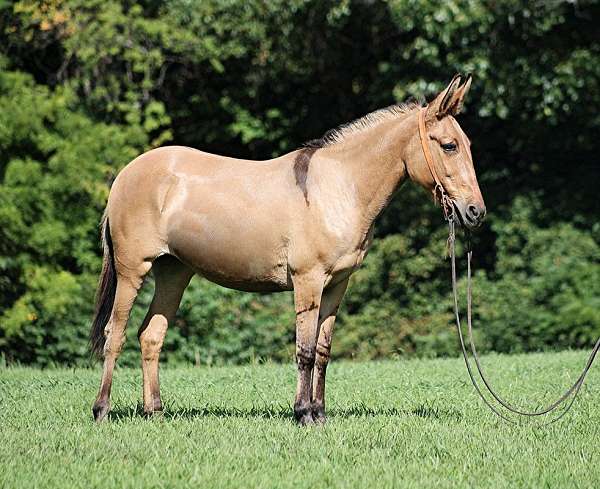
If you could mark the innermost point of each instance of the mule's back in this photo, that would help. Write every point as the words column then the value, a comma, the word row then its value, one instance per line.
column 225, row 218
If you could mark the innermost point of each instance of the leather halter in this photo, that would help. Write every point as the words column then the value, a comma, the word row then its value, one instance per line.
column 439, row 192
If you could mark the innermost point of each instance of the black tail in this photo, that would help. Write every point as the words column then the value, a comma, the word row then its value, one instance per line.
column 105, row 295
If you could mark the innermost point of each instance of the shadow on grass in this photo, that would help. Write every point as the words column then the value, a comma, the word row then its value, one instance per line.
column 120, row 414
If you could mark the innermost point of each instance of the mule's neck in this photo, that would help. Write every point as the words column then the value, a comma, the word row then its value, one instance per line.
column 376, row 160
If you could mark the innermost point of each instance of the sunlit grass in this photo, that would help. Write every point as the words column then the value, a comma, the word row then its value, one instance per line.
column 402, row 424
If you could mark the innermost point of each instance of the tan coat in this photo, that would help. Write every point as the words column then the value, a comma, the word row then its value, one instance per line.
column 302, row 222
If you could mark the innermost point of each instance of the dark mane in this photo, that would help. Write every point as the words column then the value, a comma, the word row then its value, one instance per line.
column 339, row 134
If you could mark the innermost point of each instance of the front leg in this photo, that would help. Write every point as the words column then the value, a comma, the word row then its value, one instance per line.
column 307, row 298
column 330, row 303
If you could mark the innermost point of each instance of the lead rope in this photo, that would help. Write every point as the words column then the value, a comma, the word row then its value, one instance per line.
column 442, row 197
column 573, row 390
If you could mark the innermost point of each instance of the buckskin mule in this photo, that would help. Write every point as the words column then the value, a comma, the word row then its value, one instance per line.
column 301, row 222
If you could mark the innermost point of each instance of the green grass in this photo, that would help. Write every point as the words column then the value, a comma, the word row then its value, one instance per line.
column 402, row 424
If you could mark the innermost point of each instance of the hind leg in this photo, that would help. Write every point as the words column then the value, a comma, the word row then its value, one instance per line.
column 171, row 278
column 127, row 289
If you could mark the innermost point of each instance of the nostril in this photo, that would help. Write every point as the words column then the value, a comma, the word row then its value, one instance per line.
column 472, row 212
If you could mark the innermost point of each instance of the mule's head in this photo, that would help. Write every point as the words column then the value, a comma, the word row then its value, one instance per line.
column 450, row 154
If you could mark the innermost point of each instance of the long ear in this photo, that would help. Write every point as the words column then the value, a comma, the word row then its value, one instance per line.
column 456, row 103
column 449, row 101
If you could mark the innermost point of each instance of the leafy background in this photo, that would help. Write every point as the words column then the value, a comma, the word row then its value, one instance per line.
column 87, row 85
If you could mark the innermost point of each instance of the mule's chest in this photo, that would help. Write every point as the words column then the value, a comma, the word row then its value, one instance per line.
column 350, row 261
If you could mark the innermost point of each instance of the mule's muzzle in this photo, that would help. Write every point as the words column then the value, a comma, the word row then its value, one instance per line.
column 470, row 215
column 475, row 215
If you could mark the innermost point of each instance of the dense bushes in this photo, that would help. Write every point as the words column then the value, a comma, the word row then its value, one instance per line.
column 86, row 86
column 545, row 290
column 55, row 165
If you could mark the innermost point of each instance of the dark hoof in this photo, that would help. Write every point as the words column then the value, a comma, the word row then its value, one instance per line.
column 305, row 420
column 154, row 410
column 304, row 415
column 318, row 414
column 100, row 410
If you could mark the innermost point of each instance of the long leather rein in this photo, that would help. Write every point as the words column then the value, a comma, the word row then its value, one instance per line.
column 449, row 213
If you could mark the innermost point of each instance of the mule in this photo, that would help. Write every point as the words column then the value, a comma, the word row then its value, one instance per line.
column 301, row 222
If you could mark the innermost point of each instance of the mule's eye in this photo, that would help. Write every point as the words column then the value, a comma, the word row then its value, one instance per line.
column 448, row 147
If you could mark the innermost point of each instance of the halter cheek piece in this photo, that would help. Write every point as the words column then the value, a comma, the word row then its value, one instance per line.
column 439, row 194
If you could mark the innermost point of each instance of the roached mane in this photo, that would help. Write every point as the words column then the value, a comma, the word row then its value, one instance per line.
column 339, row 134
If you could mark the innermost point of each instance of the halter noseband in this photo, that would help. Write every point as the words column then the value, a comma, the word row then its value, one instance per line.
column 439, row 193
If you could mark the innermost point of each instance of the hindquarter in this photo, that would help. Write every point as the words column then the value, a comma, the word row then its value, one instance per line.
column 134, row 213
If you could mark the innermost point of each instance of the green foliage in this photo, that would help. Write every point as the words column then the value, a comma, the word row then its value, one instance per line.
column 85, row 86
column 546, row 289
column 56, row 164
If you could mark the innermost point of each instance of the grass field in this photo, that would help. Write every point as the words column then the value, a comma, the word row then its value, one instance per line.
column 391, row 424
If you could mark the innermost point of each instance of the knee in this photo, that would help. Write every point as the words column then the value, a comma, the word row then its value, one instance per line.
column 322, row 356
column 305, row 356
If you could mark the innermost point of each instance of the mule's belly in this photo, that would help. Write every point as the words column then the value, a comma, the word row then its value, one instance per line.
column 235, row 254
